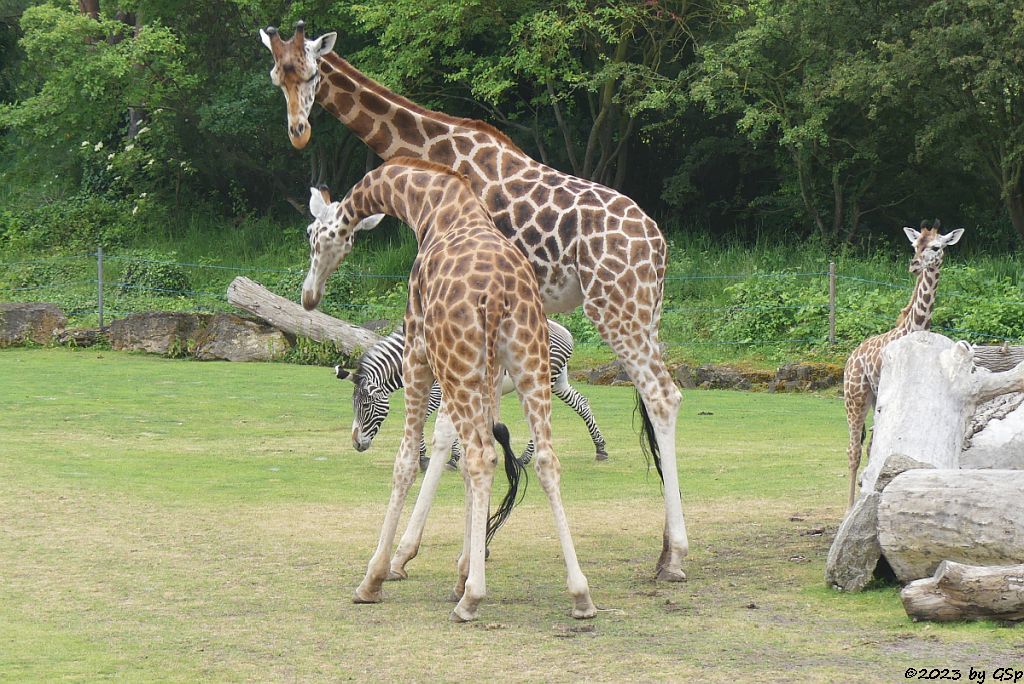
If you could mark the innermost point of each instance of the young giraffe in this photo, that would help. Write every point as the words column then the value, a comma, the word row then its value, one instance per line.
column 863, row 368
column 586, row 243
column 473, row 309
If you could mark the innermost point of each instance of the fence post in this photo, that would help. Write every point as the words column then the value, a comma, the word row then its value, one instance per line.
column 831, row 302
column 99, row 285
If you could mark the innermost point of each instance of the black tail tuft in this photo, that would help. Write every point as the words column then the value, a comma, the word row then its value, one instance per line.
column 648, row 437
column 516, row 474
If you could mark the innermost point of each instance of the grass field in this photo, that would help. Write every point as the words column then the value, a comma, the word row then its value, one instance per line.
column 180, row 521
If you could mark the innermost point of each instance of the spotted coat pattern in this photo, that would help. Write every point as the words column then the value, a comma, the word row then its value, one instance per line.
column 585, row 242
column 473, row 309
column 864, row 365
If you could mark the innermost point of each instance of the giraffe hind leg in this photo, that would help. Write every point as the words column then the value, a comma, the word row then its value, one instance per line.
column 856, row 416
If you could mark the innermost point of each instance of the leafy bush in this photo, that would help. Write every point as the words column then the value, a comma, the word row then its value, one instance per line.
column 79, row 223
column 776, row 307
column 979, row 307
column 154, row 272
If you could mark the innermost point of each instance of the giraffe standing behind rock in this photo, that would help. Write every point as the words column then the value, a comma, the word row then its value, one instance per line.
column 864, row 366
column 587, row 243
column 473, row 309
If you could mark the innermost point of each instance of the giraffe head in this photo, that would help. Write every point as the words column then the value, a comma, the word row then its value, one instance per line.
column 296, row 73
column 331, row 235
column 929, row 246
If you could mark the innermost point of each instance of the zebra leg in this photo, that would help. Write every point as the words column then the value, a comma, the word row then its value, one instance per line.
column 561, row 388
column 453, row 462
column 433, row 405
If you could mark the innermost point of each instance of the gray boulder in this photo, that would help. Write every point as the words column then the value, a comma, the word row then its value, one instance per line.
column 234, row 338
column 30, row 322
column 157, row 333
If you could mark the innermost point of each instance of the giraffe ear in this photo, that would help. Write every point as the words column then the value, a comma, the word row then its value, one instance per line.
column 317, row 206
column 912, row 234
column 265, row 37
column 369, row 222
column 952, row 237
column 324, row 44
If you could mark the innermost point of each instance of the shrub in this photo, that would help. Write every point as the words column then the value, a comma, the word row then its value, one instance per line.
column 77, row 224
column 150, row 271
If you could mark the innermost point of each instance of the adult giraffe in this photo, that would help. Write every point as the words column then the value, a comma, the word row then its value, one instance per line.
column 587, row 243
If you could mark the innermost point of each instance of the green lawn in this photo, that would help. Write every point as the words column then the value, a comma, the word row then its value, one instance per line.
column 170, row 520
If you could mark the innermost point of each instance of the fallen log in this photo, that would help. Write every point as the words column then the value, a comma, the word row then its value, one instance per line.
column 967, row 592
column 290, row 317
column 966, row 516
column 997, row 358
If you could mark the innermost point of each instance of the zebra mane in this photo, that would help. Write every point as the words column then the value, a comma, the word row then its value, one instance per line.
column 381, row 354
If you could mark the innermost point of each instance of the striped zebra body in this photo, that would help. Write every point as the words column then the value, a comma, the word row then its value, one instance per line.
column 378, row 374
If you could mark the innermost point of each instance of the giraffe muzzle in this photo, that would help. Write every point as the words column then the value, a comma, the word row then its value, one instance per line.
column 310, row 299
column 299, row 134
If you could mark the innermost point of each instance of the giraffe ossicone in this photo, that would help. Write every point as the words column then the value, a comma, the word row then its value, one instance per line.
column 473, row 309
column 586, row 243
column 864, row 366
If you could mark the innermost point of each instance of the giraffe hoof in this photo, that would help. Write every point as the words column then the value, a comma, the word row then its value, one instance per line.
column 602, row 455
column 666, row 574
column 367, row 596
column 462, row 616
column 397, row 575
column 584, row 612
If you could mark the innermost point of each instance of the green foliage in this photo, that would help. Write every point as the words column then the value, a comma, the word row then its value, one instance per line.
column 980, row 307
column 773, row 307
column 76, row 224
column 148, row 271
column 308, row 352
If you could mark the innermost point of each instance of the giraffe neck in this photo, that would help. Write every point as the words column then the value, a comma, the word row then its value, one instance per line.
column 918, row 313
column 394, row 126
column 426, row 197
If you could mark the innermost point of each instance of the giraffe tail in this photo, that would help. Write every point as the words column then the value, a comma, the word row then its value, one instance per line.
column 648, row 437
column 516, row 474
column 493, row 311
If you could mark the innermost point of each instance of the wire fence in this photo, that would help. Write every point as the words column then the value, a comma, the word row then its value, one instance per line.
column 824, row 309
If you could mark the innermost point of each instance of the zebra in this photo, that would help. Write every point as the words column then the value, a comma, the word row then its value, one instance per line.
column 378, row 374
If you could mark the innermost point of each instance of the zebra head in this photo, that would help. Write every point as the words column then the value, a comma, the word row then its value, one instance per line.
column 369, row 406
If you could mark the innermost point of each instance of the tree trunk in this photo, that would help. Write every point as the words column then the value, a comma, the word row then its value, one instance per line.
column 90, row 8
column 290, row 317
column 965, row 592
column 968, row 516
column 1015, row 207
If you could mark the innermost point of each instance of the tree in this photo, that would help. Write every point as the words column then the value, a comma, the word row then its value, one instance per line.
column 796, row 74
column 960, row 65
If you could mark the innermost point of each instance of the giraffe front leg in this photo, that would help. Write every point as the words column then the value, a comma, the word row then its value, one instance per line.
column 369, row 590
column 444, row 437
column 417, row 379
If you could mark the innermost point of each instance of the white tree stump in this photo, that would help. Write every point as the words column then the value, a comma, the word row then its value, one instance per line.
column 290, row 317
column 928, row 391
column 966, row 592
column 967, row 516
